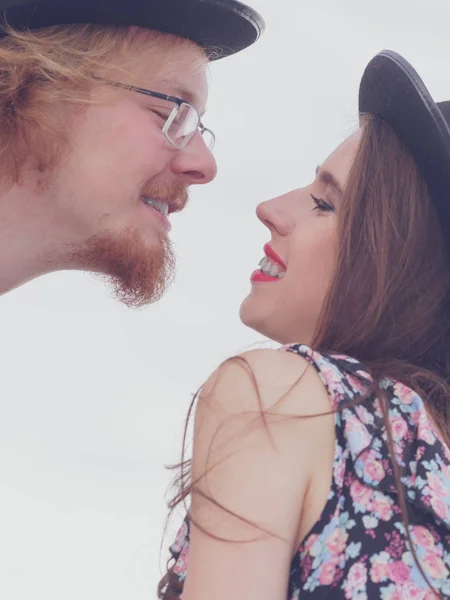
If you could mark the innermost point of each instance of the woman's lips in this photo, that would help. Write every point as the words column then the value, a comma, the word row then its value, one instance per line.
column 260, row 276
column 270, row 253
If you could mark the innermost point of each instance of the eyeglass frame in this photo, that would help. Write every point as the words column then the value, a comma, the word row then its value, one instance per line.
column 170, row 119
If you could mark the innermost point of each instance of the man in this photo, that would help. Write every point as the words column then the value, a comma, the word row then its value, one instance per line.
column 101, row 134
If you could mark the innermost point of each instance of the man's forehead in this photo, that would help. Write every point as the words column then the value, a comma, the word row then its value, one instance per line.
column 191, row 87
column 174, row 66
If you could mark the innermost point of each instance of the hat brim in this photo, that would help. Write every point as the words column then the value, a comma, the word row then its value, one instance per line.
column 391, row 89
column 225, row 26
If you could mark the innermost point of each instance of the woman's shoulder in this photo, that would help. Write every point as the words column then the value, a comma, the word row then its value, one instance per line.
column 255, row 451
column 344, row 377
column 269, row 380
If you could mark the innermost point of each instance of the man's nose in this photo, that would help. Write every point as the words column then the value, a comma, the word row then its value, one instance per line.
column 195, row 164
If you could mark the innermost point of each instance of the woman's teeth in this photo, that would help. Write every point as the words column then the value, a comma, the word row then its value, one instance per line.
column 270, row 267
column 160, row 205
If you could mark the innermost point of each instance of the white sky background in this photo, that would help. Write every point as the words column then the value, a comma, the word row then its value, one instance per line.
column 93, row 396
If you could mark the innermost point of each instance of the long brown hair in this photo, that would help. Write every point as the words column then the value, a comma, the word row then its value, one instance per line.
column 388, row 305
column 388, row 302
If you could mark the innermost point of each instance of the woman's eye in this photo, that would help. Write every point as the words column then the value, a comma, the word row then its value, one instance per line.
column 322, row 205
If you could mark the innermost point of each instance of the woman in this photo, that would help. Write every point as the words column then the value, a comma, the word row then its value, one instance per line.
column 323, row 470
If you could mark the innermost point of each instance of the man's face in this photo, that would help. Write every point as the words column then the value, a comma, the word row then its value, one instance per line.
column 119, row 155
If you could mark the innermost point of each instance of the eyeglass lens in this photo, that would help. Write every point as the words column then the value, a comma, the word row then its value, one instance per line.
column 184, row 126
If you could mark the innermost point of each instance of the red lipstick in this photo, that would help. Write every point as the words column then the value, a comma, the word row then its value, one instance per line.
column 260, row 276
column 270, row 253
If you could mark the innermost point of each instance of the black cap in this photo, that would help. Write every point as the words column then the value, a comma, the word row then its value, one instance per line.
column 225, row 25
column 391, row 89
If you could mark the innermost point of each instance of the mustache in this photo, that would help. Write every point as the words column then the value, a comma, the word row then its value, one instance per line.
column 176, row 194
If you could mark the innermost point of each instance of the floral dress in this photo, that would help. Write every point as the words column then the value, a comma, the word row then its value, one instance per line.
column 358, row 549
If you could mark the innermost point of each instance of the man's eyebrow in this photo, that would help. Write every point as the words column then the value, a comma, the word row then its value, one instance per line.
column 328, row 178
column 185, row 94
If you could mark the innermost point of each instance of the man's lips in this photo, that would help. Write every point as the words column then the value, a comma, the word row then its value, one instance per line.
column 176, row 197
column 167, row 225
column 165, row 221
column 270, row 253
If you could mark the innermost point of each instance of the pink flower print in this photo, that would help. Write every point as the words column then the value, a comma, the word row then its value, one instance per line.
column 445, row 468
column 382, row 508
column 395, row 595
column 333, row 381
column 415, row 417
column 364, row 415
column 446, row 449
column 430, row 595
column 403, row 392
column 439, row 508
column 360, row 493
column 399, row 572
column 418, row 455
column 181, row 538
column 310, row 541
column 181, row 565
column 410, row 591
column 337, row 540
column 376, row 409
column 423, row 537
column 379, row 570
column 436, row 484
column 425, row 433
column 339, row 473
column 354, row 425
column 327, row 572
column 434, row 565
column 399, row 428
column 356, row 579
column 373, row 468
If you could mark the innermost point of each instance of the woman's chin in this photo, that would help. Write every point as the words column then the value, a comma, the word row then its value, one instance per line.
column 248, row 314
column 254, row 317
column 272, row 324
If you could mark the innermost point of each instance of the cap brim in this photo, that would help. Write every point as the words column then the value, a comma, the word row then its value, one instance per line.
column 391, row 89
column 225, row 26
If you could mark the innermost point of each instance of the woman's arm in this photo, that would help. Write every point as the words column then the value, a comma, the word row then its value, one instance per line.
column 251, row 474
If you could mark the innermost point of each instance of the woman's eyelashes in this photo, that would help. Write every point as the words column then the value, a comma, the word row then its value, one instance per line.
column 322, row 205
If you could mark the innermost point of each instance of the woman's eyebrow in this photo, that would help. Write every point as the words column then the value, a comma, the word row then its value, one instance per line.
column 328, row 178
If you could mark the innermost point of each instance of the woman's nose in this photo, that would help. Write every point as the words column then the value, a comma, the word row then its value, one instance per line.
column 275, row 216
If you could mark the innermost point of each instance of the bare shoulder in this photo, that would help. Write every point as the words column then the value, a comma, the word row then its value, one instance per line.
column 271, row 380
column 255, row 465
column 263, row 431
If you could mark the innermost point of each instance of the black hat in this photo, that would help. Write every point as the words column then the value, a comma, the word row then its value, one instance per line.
column 226, row 25
column 391, row 89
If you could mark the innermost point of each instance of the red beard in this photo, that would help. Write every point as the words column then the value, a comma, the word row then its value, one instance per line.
column 138, row 273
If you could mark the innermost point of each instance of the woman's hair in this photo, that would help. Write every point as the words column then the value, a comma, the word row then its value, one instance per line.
column 388, row 301
column 47, row 71
column 388, row 304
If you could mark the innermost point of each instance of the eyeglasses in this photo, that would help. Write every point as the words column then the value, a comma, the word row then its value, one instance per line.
column 183, row 122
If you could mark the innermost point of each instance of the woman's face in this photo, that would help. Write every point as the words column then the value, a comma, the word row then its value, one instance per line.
column 289, row 290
